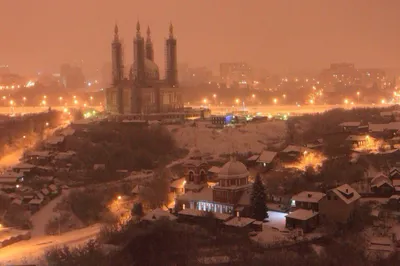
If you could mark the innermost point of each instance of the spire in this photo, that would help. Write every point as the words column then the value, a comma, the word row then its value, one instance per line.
column 148, row 34
column 171, row 30
column 138, row 28
column 116, row 36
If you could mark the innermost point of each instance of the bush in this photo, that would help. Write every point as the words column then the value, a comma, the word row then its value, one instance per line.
column 88, row 255
column 87, row 205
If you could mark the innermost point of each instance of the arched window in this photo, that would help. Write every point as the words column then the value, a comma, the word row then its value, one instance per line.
column 191, row 176
column 203, row 176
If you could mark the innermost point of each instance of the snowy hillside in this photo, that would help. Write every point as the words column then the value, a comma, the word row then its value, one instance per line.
column 250, row 137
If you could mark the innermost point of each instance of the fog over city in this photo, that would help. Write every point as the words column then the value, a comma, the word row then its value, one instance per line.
column 279, row 36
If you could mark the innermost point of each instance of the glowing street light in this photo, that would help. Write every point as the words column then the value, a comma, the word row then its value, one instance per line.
column 75, row 102
column 237, row 101
column 383, row 101
column 311, row 101
column 205, row 100
column 11, row 102
column 74, row 96
column 24, row 99
column 44, row 97
column 214, row 95
column 47, row 124
column 253, row 96
column 43, row 102
column 119, row 198
column 275, row 101
column 284, row 96
column 346, row 101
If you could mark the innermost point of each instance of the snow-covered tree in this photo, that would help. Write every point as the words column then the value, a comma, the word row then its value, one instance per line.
column 258, row 200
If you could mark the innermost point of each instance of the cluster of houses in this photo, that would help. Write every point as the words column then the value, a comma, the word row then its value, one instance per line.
column 37, row 167
column 226, row 192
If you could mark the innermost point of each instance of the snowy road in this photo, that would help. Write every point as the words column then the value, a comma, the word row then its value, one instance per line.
column 29, row 251
column 41, row 218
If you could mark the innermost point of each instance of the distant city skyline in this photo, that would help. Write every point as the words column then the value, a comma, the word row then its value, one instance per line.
column 279, row 36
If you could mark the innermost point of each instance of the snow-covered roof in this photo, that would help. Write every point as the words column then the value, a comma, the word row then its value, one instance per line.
column 297, row 149
column 17, row 201
column 395, row 197
column 383, row 127
column 53, row 187
column 36, row 201
column 302, row 214
column 178, row 183
column 24, row 166
column 253, row 157
column 386, row 113
column 157, row 214
column 379, row 177
column 10, row 174
column 239, row 221
column 346, row 193
column 54, row 140
column 214, row 169
column 198, row 213
column 350, row 124
column 233, row 169
column 381, row 182
column 38, row 153
column 266, row 157
column 206, row 194
column 308, row 196
column 45, row 191
column 68, row 132
column 356, row 137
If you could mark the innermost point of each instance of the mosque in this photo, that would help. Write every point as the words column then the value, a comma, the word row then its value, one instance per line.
column 143, row 91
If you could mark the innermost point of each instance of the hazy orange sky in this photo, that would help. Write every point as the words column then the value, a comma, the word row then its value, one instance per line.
column 281, row 35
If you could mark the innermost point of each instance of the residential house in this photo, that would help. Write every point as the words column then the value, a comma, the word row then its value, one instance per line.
column 307, row 200
column 394, row 175
column 38, row 157
column 267, row 159
column 339, row 204
column 55, row 143
column 307, row 220
column 252, row 160
column 23, row 168
column 11, row 178
column 318, row 144
column 358, row 141
column 293, row 152
column 35, row 204
column 381, row 185
column 350, row 126
column 385, row 131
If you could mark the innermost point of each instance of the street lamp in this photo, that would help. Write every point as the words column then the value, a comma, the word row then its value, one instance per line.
column 275, row 101
column 358, row 97
column 346, row 101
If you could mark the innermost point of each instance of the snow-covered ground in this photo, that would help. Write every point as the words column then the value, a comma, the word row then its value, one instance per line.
column 30, row 251
column 251, row 137
column 46, row 213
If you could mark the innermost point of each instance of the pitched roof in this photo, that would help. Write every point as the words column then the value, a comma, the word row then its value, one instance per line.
column 299, row 149
column 157, row 214
column 308, row 196
column 239, row 221
column 346, row 193
column 350, row 124
column 302, row 214
column 214, row 169
column 356, row 137
column 266, row 156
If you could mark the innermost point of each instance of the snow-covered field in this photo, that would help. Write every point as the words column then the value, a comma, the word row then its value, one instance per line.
column 251, row 137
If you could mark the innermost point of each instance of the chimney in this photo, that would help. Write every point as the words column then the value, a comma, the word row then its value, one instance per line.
column 309, row 195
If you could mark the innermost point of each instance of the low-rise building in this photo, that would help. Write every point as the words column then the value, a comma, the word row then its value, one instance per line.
column 350, row 126
column 307, row 220
column 340, row 204
column 267, row 159
column 307, row 200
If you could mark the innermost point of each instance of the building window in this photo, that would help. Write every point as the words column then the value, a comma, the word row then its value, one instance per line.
column 191, row 176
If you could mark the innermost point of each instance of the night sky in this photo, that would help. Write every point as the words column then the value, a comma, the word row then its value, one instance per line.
column 280, row 36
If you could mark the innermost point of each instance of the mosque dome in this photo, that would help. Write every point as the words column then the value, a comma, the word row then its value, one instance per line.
column 233, row 169
column 150, row 68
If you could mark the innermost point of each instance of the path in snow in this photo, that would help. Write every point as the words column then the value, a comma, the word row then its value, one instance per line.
column 42, row 217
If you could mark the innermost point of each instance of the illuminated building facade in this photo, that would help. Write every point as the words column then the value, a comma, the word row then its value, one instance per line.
column 143, row 92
